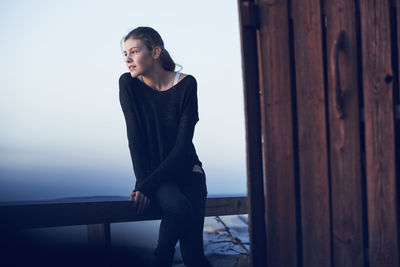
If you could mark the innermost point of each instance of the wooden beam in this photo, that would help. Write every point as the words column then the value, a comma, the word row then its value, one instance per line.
column 255, row 184
column 277, row 132
column 312, row 133
column 377, row 73
column 81, row 213
column 344, row 126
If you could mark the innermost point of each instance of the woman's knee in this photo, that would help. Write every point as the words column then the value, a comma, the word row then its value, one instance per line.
column 180, row 207
column 172, row 201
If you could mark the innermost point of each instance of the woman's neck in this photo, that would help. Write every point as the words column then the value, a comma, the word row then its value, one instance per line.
column 159, row 80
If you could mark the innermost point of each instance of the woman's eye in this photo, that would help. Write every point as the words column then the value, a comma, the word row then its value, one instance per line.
column 130, row 53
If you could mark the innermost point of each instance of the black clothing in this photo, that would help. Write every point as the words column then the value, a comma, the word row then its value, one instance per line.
column 183, row 208
column 160, row 127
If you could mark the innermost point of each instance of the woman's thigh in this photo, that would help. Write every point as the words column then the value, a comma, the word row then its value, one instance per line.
column 188, row 196
column 170, row 199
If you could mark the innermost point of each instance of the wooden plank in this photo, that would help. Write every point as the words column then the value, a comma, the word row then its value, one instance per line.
column 226, row 206
column 64, row 214
column 312, row 134
column 277, row 122
column 379, row 133
column 99, row 234
column 345, row 158
column 255, row 184
column 396, row 19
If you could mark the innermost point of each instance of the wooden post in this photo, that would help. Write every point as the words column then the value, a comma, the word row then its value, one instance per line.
column 99, row 234
column 380, row 137
column 344, row 136
column 312, row 133
column 277, row 131
column 248, row 22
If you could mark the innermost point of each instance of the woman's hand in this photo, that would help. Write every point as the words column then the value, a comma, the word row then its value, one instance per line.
column 141, row 201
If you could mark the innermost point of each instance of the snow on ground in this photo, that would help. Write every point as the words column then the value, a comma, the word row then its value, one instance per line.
column 220, row 250
column 218, row 246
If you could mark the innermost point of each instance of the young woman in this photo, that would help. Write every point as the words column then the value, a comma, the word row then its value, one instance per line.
column 161, row 111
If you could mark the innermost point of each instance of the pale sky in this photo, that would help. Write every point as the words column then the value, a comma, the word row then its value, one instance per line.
column 59, row 105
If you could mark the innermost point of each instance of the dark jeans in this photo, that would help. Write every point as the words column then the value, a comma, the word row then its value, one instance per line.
column 183, row 206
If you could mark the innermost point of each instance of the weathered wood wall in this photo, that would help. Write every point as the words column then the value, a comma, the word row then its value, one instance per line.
column 328, row 125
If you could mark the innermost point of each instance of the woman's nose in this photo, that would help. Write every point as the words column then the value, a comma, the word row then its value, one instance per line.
column 128, row 59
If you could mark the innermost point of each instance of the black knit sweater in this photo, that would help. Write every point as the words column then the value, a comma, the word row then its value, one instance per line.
column 160, row 127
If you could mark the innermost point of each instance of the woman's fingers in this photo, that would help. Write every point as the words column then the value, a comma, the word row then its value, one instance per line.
column 137, row 196
column 141, row 201
column 144, row 202
column 138, row 203
column 132, row 195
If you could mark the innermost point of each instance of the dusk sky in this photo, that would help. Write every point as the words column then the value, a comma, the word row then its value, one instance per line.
column 62, row 128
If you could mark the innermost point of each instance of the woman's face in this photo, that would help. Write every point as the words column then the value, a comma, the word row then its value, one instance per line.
column 138, row 58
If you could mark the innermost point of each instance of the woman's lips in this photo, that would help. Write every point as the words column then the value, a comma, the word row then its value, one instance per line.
column 131, row 67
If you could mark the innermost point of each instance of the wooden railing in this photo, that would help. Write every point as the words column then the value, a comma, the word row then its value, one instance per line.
column 99, row 215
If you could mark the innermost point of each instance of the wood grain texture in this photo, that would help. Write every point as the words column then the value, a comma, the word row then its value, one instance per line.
column 81, row 213
column 379, row 133
column 277, row 126
column 312, row 133
column 345, row 158
column 255, row 180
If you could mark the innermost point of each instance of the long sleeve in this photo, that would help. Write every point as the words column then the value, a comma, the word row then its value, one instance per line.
column 188, row 120
column 135, row 136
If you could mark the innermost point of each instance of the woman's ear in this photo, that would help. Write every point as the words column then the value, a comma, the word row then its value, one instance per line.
column 156, row 53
